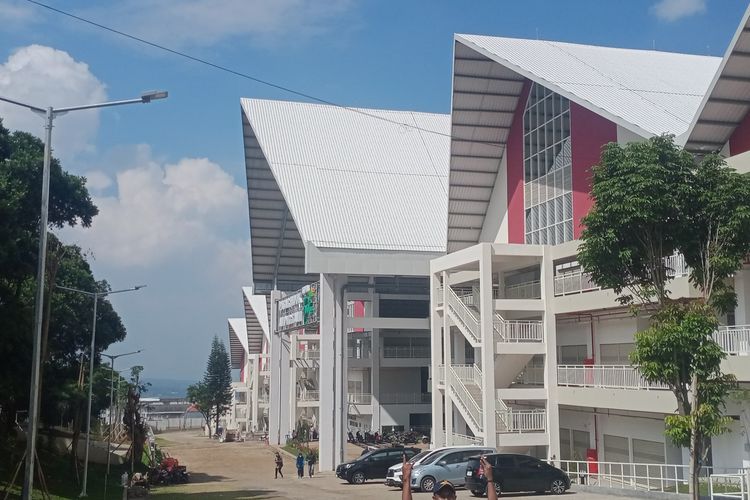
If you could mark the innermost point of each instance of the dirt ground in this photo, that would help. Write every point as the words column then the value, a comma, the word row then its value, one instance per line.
column 245, row 471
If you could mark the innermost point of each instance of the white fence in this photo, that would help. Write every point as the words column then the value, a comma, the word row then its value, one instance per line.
column 734, row 340
column 527, row 290
column 518, row 421
column 676, row 267
column 729, row 486
column 176, row 423
column 604, row 376
column 309, row 396
column 359, row 399
column 518, row 330
column 665, row 478
column 577, row 282
column 465, row 440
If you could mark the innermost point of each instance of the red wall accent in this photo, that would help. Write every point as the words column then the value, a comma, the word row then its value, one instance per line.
column 359, row 312
column 739, row 142
column 589, row 133
column 515, row 170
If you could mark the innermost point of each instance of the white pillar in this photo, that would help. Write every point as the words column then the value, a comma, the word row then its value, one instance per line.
column 375, row 357
column 486, row 319
column 294, row 385
column 278, row 412
column 436, row 359
column 448, row 360
column 341, row 374
column 550, row 358
column 254, row 393
column 326, row 295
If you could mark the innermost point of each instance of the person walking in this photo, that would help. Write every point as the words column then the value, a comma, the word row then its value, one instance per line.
column 300, row 466
column 311, row 460
column 279, row 465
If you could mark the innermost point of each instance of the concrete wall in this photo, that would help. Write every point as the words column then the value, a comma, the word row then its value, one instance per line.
column 400, row 380
column 399, row 414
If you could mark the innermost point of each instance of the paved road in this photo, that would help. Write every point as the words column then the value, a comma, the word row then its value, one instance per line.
column 245, row 471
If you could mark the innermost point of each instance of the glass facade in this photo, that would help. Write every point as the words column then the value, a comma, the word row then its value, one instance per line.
column 548, row 191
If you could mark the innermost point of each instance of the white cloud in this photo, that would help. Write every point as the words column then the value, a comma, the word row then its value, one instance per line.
column 97, row 180
column 43, row 76
column 672, row 10
column 162, row 212
column 16, row 12
column 206, row 22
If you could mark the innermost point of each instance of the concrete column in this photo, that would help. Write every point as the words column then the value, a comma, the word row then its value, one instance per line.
column 326, row 295
column 254, row 392
column 447, row 360
column 436, row 359
column 742, row 287
column 294, row 376
column 550, row 358
column 341, row 374
column 375, row 357
column 486, row 317
column 278, row 411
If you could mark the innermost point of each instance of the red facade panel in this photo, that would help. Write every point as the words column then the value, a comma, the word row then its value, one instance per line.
column 589, row 132
column 514, row 154
column 739, row 142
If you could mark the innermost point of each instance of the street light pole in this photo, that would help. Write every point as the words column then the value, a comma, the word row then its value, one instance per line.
column 112, row 359
column 96, row 296
column 50, row 114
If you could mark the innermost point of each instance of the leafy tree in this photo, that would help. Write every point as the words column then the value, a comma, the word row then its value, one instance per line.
column 652, row 199
column 199, row 396
column 218, row 379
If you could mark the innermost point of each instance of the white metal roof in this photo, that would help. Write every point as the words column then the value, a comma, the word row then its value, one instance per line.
column 237, row 341
column 358, row 179
column 256, row 320
column 727, row 102
column 647, row 91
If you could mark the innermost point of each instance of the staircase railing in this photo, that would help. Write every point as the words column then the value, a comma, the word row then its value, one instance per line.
column 465, row 397
column 519, row 421
column 464, row 315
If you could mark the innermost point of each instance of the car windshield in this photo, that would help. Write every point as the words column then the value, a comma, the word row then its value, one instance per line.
column 419, row 456
column 430, row 458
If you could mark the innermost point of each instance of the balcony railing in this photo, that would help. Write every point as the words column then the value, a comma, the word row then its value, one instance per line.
column 604, row 376
column 734, row 340
column 440, row 375
column 519, row 421
column 359, row 399
column 311, row 354
column 526, row 290
column 570, row 283
column 406, row 352
column 468, row 374
column 676, row 267
column 396, row 398
column 531, row 375
column 309, row 396
column 465, row 440
column 518, row 330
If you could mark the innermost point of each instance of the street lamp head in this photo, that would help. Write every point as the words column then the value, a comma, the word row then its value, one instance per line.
column 153, row 95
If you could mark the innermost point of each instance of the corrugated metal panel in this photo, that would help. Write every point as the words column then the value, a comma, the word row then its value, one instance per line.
column 237, row 341
column 256, row 319
column 728, row 100
column 646, row 91
column 356, row 181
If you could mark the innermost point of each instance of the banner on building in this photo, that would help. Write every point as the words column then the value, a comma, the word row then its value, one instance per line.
column 299, row 309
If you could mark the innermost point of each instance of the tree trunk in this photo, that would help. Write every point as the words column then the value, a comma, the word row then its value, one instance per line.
column 695, row 464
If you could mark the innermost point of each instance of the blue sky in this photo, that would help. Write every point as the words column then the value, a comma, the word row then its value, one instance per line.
column 169, row 177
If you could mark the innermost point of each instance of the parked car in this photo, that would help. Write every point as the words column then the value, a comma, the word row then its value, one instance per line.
column 447, row 465
column 373, row 465
column 393, row 478
column 514, row 473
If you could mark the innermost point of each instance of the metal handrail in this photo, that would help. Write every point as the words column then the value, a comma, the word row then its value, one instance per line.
column 464, row 314
column 406, row 352
column 734, row 340
column 464, row 439
column 605, row 376
column 519, row 421
column 525, row 290
column 465, row 397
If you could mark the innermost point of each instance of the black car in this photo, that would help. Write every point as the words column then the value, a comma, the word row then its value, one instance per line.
column 373, row 464
column 514, row 473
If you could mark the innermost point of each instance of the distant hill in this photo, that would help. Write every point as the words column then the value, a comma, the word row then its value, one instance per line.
column 167, row 388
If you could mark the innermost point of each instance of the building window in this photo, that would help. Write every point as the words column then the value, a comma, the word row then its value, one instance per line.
column 616, row 354
column 547, row 158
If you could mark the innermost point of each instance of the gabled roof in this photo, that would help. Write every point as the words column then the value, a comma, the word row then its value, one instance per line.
column 237, row 341
column 646, row 91
column 727, row 101
column 256, row 320
column 346, row 178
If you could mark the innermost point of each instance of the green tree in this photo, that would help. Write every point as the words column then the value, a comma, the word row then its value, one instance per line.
column 218, row 379
column 652, row 199
column 199, row 396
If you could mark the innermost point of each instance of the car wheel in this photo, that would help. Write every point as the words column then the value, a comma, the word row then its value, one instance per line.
column 358, row 478
column 498, row 489
column 427, row 484
column 557, row 487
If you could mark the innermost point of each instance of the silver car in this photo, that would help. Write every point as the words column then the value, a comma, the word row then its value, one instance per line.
column 445, row 465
